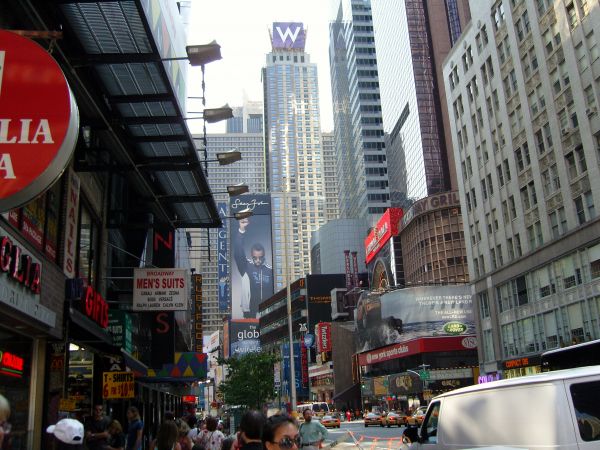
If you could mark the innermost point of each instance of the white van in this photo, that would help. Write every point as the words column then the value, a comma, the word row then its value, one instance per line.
column 557, row 410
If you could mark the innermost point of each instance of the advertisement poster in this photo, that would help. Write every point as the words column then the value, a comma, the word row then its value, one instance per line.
column 406, row 314
column 244, row 337
column 252, row 256
column 223, row 261
column 301, row 391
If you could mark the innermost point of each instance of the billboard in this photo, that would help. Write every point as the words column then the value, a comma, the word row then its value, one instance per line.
column 244, row 337
column 223, row 261
column 301, row 391
column 382, row 232
column 405, row 314
column 288, row 35
column 252, row 255
column 318, row 296
column 323, row 334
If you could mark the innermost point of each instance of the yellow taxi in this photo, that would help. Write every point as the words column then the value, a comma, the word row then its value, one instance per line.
column 392, row 419
column 417, row 417
column 330, row 421
column 373, row 418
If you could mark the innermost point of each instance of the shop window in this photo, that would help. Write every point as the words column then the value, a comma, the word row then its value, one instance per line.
column 15, row 375
column 88, row 247
column 38, row 221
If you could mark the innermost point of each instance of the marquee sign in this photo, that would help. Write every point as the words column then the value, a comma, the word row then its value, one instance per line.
column 39, row 120
column 383, row 231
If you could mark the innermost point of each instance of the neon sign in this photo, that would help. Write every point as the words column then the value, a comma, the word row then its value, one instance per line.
column 11, row 365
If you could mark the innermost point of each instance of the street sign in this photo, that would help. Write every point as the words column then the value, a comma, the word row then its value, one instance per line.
column 424, row 375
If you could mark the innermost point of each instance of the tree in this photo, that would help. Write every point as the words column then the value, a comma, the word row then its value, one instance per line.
column 250, row 381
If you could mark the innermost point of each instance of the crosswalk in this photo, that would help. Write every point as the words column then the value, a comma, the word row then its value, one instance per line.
column 360, row 441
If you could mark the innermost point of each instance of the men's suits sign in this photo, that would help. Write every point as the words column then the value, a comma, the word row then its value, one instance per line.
column 252, row 256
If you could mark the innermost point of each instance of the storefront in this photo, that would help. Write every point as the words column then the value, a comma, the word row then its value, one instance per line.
column 520, row 367
column 321, row 382
column 29, row 293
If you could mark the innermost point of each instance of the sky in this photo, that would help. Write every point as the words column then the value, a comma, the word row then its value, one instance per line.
column 241, row 28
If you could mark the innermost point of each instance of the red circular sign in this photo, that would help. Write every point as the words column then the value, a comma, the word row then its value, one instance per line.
column 39, row 120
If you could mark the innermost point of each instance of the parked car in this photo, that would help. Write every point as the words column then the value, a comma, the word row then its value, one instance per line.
column 392, row 418
column 330, row 421
column 416, row 419
column 372, row 419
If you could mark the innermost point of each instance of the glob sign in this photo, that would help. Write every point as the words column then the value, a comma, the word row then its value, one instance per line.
column 39, row 120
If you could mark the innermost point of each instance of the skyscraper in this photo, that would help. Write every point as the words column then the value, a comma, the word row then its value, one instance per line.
column 244, row 133
column 359, row 140
column 523, row 91
column 412, row 39
column 332, row 208
column 293, row 149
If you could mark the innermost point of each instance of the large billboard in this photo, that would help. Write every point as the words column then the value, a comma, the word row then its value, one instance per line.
column 318, row 296
column 244, row 337
column 288, row 35
column 223, row 261
column 301, row 390
column 405, row 314
column 252, row 255
column 386, row 227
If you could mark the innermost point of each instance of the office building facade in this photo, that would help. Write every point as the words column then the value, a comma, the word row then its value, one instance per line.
column 359, row 139
column 293, row 147
column 330, row 185
column 522, row 86
column 244, row 133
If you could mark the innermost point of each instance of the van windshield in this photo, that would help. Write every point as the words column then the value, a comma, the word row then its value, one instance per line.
column 587, row 409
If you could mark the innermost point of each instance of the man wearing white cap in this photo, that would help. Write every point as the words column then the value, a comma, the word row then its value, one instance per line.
column 68, row 431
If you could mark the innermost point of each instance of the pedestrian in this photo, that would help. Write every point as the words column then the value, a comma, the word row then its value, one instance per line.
column 96, row 429
column 116, row 439
column 251, row 429
column 68, row 431
column 135, row 429
column 312, row 432
column 348, row 416
column 226, row 445
column 166, row 438
column 195, row 431
column 280, row 433
column 5, row 426
column 210, row 438
column 184, row 440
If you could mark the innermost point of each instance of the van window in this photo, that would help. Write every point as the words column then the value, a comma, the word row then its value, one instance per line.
column 430, row 424
column 587, row 409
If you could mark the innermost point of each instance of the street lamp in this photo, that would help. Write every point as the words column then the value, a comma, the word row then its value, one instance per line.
column 199, row 55
column 226, row 158
column 243, row 214
column 237, row 189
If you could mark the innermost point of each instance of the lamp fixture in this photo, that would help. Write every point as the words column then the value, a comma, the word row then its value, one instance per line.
column 226, row 158
column 199, row 55
column 237, row 189
column 243, row 214
column 213, row 115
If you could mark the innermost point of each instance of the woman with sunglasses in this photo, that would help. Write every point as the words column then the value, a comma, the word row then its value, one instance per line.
column 280, row 433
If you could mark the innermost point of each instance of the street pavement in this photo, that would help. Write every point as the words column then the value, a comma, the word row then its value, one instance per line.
column 371, row 438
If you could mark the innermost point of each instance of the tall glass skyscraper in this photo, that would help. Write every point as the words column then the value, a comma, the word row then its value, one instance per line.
column 244, row 133
column 293, row 149
column 359, row 140
column 412, row 39
column 332, row 210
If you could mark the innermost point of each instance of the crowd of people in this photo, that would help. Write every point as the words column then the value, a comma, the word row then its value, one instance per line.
column 255, row 432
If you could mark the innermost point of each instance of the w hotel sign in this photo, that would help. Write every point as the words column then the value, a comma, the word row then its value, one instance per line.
column 288, row 35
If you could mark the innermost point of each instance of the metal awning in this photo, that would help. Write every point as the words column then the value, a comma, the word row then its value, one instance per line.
column 120, row 57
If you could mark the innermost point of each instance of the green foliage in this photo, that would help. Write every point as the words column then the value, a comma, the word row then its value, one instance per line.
column 249, row 381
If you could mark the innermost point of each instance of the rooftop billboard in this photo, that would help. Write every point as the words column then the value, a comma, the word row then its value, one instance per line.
column 288, row 35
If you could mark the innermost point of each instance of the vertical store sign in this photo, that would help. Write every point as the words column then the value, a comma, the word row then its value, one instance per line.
column 39, row 120
column 197, row 297
column 323, row 337
column 223, row 261
column 71, row 223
